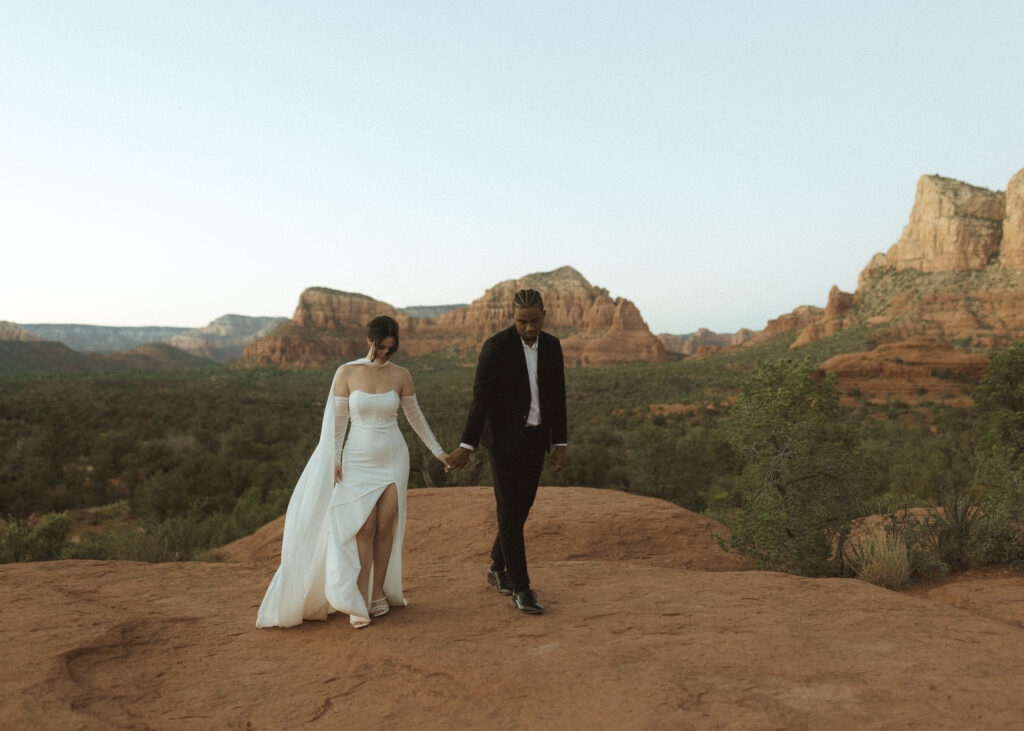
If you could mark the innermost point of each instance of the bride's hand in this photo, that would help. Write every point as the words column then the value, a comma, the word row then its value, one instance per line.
column 337, row 474
column 444, row 460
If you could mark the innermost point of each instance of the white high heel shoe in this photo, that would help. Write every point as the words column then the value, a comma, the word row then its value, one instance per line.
column 358, row 622
column 380, row 607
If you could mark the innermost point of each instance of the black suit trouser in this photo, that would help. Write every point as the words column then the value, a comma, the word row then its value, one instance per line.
column 516, row 475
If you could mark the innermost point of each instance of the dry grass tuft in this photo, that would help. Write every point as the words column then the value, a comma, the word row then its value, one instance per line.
column 881, row 558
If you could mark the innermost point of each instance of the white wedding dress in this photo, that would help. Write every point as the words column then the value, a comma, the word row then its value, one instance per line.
column 319, row 557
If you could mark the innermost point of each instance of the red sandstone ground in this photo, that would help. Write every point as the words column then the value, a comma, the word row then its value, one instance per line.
column 649, row 625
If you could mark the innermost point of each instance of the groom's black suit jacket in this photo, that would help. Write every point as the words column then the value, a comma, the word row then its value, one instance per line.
column 501, row 392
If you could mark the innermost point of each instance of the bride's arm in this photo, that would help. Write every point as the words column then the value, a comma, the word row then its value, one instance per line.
column 340, row 425
column 411, row 407
column 340, row 420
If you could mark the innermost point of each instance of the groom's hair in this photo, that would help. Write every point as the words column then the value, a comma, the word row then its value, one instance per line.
column 528, row 298
column 382, row 327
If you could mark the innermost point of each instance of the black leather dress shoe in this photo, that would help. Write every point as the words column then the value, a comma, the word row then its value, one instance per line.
column 500, row 580
column 526, row 601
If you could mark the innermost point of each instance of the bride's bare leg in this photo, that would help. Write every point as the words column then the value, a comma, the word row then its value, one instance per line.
column 387, row 511
column 364, row 544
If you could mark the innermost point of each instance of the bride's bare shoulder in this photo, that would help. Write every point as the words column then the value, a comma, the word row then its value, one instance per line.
column 341, row 387
column 405, row 381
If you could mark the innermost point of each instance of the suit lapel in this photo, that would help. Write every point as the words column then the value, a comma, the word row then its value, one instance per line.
column 542, row 359
column 518, row 359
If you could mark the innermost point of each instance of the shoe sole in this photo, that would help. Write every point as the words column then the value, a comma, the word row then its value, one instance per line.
column 494, row 582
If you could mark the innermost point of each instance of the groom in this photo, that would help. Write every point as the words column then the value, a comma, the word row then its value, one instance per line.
column 518, row 413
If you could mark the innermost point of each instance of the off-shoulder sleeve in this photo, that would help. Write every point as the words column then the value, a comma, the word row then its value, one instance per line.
column 411, row 407
column 340, row 425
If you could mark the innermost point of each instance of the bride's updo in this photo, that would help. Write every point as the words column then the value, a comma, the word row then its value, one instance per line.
column 379, row 328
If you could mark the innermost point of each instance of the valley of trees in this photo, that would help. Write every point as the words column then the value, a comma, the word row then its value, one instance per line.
column 169, row 465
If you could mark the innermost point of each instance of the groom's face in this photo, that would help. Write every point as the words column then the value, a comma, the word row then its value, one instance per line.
column 529, row 321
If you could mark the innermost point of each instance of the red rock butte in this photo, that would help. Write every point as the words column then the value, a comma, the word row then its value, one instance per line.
column 955, row 278
column 649, row 625
column 595, row 329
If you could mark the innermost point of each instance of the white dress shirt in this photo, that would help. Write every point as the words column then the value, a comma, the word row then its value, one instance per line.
column 530, row 351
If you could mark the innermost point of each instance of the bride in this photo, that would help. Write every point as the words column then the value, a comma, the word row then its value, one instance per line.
column 346, row 517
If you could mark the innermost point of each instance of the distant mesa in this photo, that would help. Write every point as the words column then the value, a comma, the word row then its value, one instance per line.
column 428, row 310
column 100, row 338
column 595, row 329
column 221, row 341
column 225, row 338
column 704, row 341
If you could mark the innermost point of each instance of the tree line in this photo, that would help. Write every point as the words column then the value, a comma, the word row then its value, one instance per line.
column 183, row 462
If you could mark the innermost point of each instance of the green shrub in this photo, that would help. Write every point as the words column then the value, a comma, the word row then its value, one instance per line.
column 802, row 482
column 1001, row 488
column 949, row 537
column 44, row 541
column 999, row 402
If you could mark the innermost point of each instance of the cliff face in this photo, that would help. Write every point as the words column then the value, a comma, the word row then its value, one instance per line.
column 1011, row 250
column 953, row 227
column 327, row 328
column 956, row 273
column 595, row 329
column 100, row 338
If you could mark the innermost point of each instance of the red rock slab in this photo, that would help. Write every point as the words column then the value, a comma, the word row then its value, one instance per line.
column 907, row 370
column 623, row 645
column 565, row 524
column 632, row 639
column 994, row 592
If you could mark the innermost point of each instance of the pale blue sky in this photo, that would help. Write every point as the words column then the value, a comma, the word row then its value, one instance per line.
column 718, row 163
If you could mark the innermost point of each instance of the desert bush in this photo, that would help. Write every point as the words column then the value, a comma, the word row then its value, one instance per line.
column 999, row 403
column 1001, row 499
column 881, row 558
column 802, row 482
column 180, row 538
column 46, row 540
column 945, row 538
column 953, row 532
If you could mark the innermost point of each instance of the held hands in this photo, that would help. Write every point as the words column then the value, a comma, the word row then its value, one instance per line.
column 443, row 457
column 557, row 459
column 458, row 459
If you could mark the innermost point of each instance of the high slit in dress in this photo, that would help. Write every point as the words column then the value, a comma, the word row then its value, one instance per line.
column 375, row 456
column 319, row 555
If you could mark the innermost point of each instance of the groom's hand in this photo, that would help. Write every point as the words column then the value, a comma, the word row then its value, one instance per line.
column 557, row 459
column 458, row 458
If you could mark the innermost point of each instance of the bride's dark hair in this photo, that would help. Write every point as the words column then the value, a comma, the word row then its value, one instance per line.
column 379, row 328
